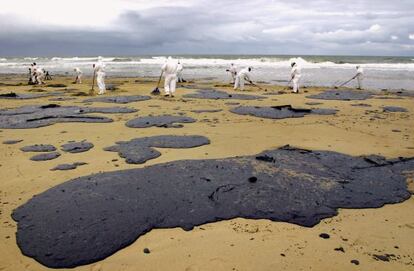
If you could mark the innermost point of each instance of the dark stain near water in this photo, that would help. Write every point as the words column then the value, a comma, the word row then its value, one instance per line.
column 140, row 150
column 218, row 94
column 165, row 121
column 118, row 99
column 89, row 218
column 33, row 116
column 342, row 95
column 279, row 112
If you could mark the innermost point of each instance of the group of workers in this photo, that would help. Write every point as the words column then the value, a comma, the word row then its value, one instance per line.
column 37, row 75
column 172, row 72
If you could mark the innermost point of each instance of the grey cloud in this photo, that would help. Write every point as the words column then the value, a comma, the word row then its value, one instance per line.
column 231, row 27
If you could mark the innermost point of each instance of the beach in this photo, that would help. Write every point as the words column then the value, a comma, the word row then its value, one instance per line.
column 363, row 239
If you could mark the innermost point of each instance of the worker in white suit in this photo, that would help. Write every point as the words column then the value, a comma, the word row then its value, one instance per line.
column 359, row 76
column 233, row 72
column 170, row 69
column 78, row 79
column 99, row 68
column 295, row 75
column 39, row 74
column 180, row 69
column 243, row 75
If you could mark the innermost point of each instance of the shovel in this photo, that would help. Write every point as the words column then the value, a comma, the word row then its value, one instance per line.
column 346, row 82
column 157, row 91
column 91, row 92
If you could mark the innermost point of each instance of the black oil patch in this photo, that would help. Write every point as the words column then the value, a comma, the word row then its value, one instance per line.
column 65, row 167
column 394, row 109
column 45, row 156
column 279, row 112
column 140, row 150
column 77, row 147
column 165, row 121
column 39, row 148
column 32, row 116
column 90, row 218
column 342, row 95
column 118, row 99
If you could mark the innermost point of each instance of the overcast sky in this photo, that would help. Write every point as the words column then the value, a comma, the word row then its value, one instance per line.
column 134, row 27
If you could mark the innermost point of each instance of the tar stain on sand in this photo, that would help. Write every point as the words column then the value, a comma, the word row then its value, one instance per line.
column 64, row 167
column 119, row 99
column 45, row 156
column 279, row 112
column 140, row 150
column 32, row 116
column 39, row 148
column 159, row 121
column 113, row 209
column 342, row 95
column 77, row 147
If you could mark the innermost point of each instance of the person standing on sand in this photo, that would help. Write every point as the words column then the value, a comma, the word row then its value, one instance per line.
column 180, row 68
column 233, row 72
column 241, row 76
column 78, row 79
column 295, row 75
column 99, row 69
column 39, row 75
column 170, row 69
column 359, row 76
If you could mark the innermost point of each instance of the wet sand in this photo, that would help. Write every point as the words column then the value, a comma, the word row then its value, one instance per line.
column 238, row 244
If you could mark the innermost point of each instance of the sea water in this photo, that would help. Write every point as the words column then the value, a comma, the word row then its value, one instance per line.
column 381, row 72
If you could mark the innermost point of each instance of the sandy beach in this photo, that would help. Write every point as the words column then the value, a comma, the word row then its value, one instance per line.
column 360, row 239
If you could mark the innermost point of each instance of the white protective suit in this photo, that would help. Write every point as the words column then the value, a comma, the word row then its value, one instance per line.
column 33, row 71
column 39, row 75
column 100, row 76
column 296, row 75
column 180, row 72
column 170, row 69
column 78, row 79
column 360, row 76
column 242, row 75
column 233, row 73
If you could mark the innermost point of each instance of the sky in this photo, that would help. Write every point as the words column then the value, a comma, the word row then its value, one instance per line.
column 135, row 27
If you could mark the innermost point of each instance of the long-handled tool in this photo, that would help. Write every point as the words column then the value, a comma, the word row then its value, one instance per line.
column 346, row 82
column 91, row 92
column 288, row 84
column 157, row 91
column 259, row 87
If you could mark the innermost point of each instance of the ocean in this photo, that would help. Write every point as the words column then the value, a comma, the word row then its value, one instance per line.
column 394, row 73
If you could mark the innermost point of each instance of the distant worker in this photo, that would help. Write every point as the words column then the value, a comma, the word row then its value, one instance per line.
column 295, row 76
column 170, row 69
column 31, row 78
column 241, row 76
column 33, row 68
column 99, row 69
column 180, row 68
column 359, row 76
column 233, row 72
column 78, row 79
column 48, row 76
